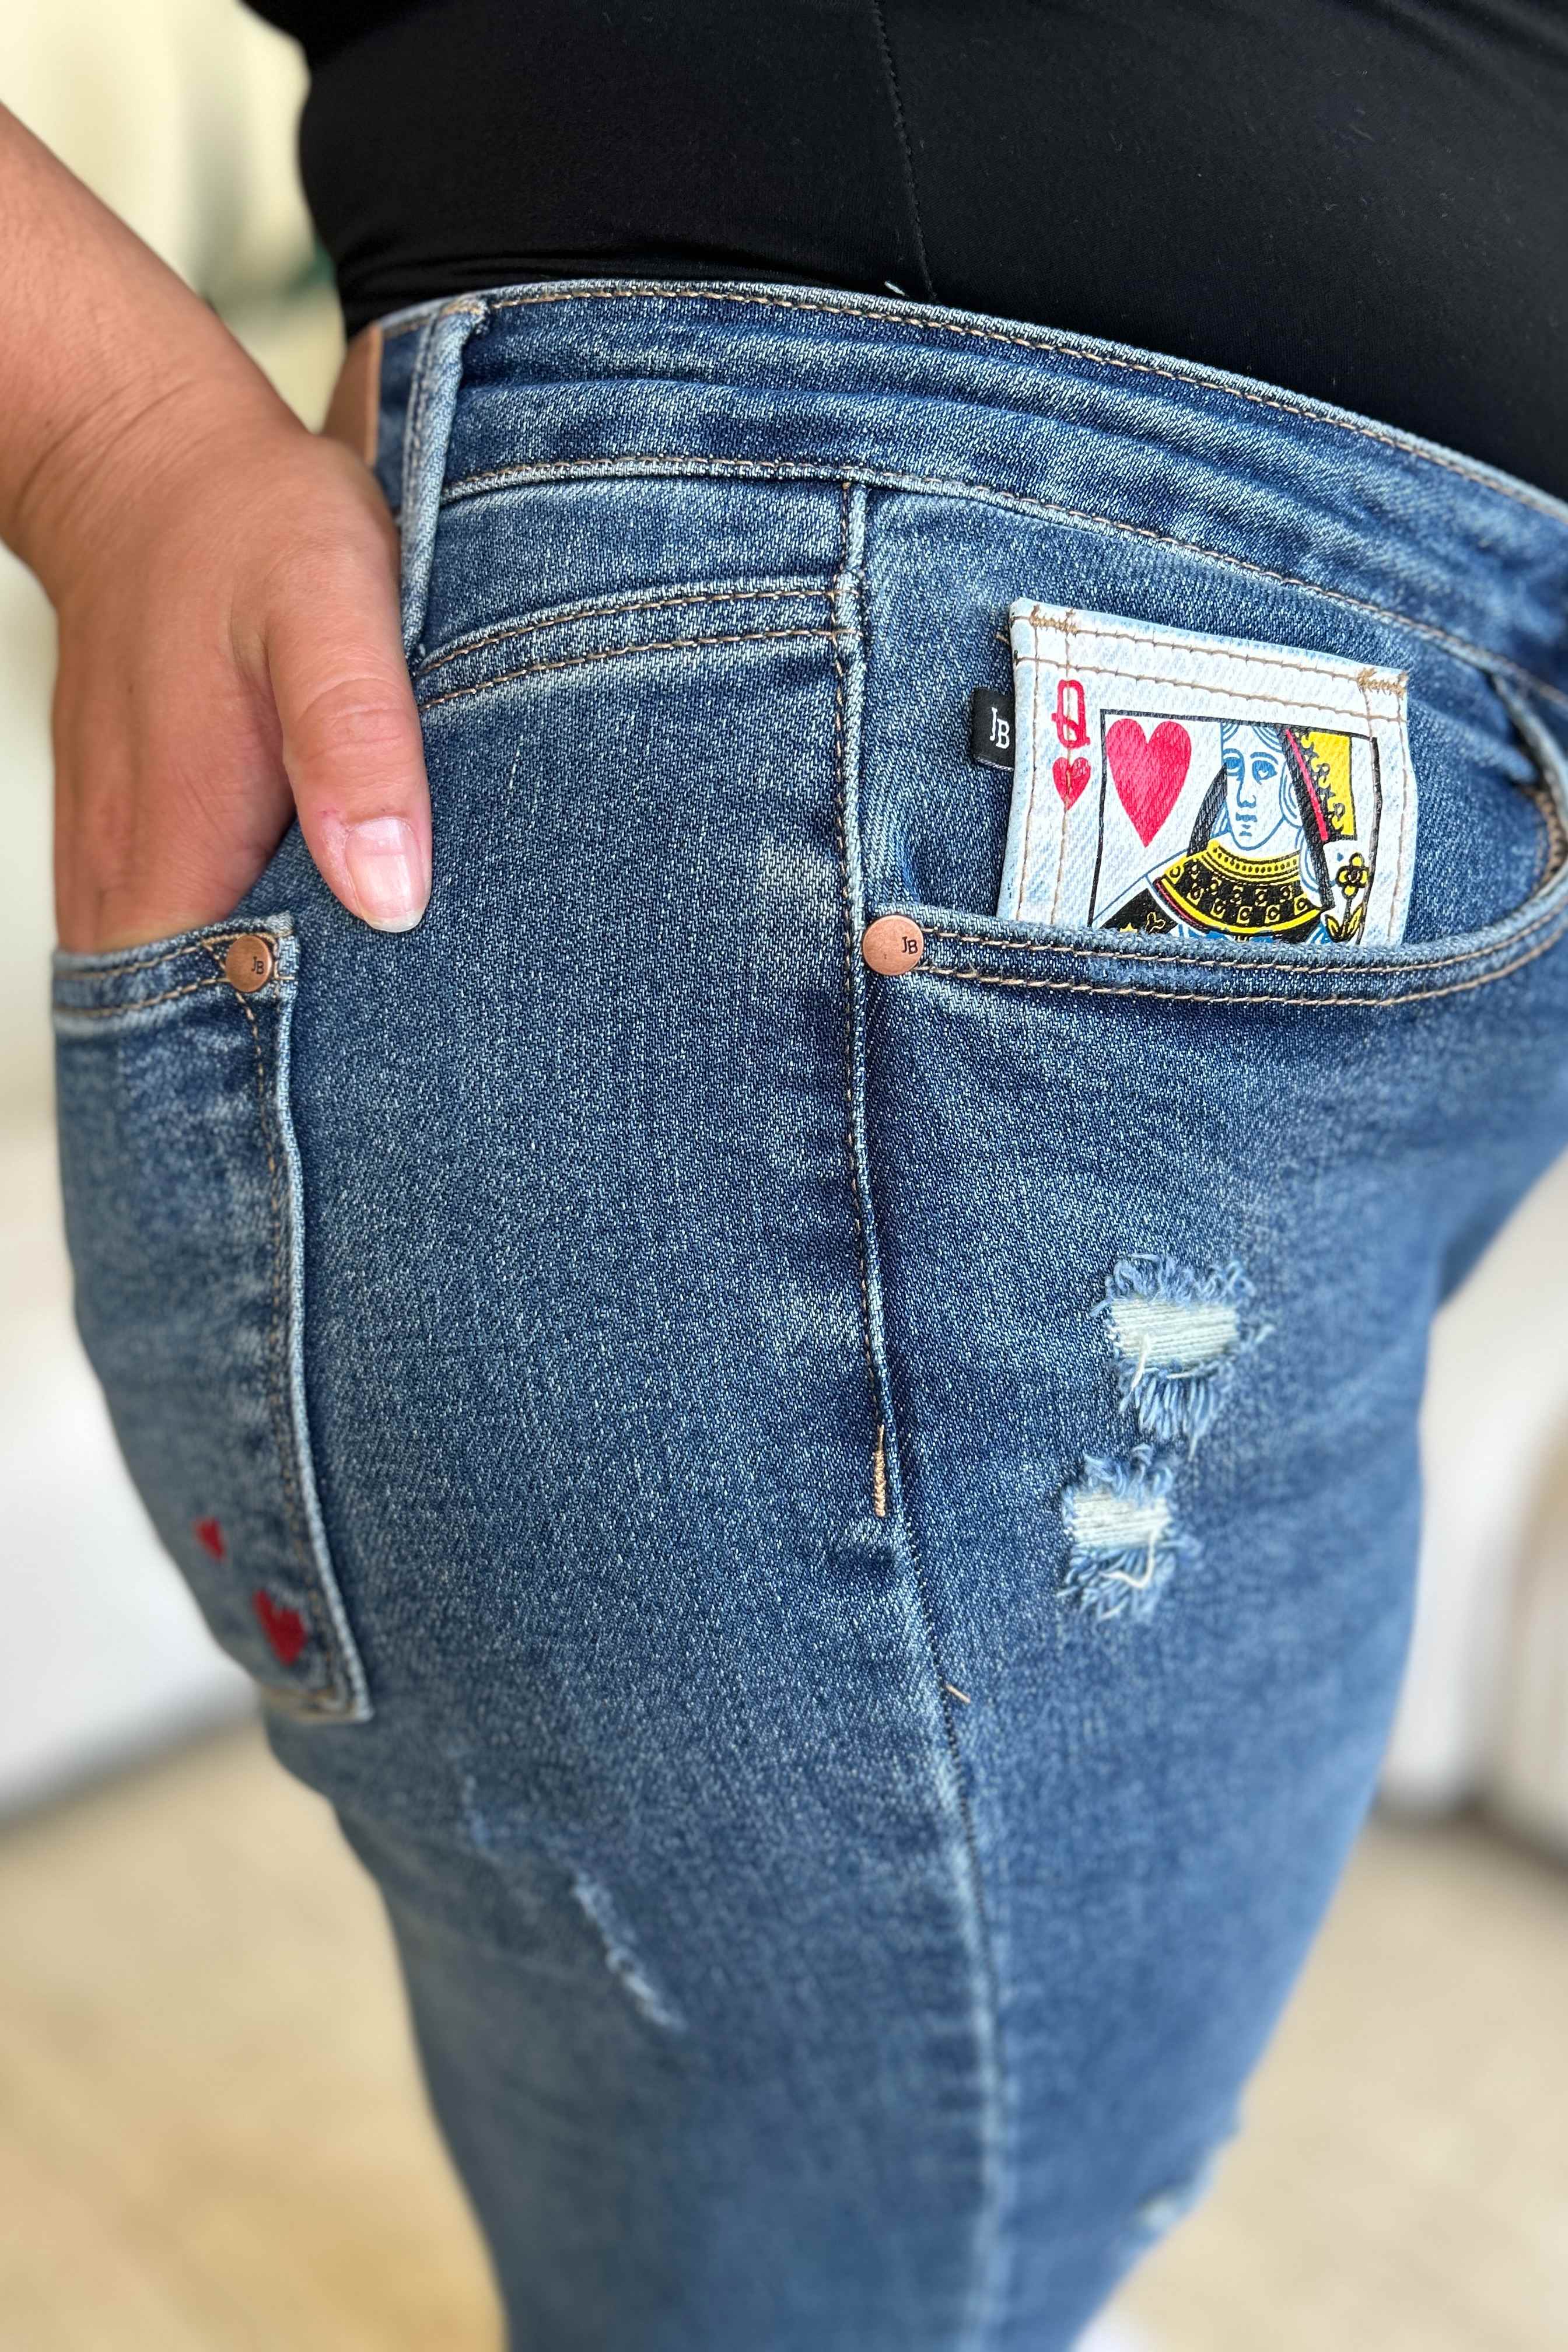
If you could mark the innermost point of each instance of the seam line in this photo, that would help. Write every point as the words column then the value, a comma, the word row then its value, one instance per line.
column 568, row 616
column 841, row 820
column 1462, row 961
column 168, row 954
column 1480, row 657
column 299, row 1695
column 1329, row 668
column 1058, row 345
column 1229, row 1002
column 618, row 653
column 991, row 2122
column 136, row 1004
column 1541, row 808
column 906, row 157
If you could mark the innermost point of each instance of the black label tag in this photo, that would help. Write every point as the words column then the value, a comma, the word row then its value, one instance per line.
column 991, row 729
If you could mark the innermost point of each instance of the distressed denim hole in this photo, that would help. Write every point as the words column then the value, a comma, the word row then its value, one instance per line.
column 1123, row 1544
column 1178, row 1336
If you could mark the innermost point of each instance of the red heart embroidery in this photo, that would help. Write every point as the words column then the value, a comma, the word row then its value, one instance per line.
column 284, row 1628
column 1070, row 777
column 209, row 1535
column 1148, row 770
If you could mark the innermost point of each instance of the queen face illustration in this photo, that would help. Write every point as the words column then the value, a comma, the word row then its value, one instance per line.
column 1250, row 869
column 1260, row 817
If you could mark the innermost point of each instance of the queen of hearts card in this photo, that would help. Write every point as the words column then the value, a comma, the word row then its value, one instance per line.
column 1274, row 849
column 1204, row 786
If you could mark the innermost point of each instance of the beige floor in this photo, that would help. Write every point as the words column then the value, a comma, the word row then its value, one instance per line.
column 211, row 2138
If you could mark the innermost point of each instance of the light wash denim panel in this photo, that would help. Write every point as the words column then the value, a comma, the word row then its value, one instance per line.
column 842, row 1542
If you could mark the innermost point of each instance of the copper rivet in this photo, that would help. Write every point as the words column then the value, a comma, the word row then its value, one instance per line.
column 248, row 963
column 892, row 943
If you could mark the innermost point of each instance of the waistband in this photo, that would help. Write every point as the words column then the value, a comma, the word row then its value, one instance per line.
column 627, row 377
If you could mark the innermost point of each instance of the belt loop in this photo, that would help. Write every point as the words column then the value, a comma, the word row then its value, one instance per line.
column 432, row 402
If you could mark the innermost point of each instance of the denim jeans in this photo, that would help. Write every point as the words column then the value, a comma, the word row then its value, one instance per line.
column 841, row 1540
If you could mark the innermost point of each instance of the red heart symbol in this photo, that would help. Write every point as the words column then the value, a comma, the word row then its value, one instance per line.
column 209, row 1535
column 1070, row 777
column 1148, row 770
column 284, row 1628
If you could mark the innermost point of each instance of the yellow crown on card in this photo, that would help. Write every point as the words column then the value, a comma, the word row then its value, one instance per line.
column 1328, row 755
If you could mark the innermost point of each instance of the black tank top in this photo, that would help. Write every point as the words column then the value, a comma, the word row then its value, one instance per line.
column 1365, row 200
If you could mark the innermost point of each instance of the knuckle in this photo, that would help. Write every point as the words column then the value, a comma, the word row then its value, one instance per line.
column 352, row 716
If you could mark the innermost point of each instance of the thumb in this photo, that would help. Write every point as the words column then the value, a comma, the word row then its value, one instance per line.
column 351, row 741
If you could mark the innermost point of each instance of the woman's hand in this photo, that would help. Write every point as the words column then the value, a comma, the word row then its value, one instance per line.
column 225, row 584
column 229, row 656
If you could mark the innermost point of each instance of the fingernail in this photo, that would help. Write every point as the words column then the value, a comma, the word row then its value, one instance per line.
column 387, row 872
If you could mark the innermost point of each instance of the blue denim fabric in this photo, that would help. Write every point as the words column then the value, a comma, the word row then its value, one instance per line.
column 863, row 1700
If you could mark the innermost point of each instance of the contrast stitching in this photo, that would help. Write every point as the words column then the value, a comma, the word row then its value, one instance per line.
column 1368, row 677
column 1555, row 843
column 1017, row 501
column 857, row 1207
column 1549, row 778
column 863, row 1207
column 615, row 653
column 1541, row 865
column 1198, row 685
column 134, row 1004
column 282, row 1430
column 1543, row 916
column 1229, row 1001
column 569, row 615
column 163, row 955
column 1518, row 493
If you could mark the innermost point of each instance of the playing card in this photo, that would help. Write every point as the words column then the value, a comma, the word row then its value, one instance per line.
column 1165, row 780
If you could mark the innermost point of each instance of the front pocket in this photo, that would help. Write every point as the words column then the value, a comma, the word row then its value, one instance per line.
column 184, row 1206
column 937, row 803
column 959, row 944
